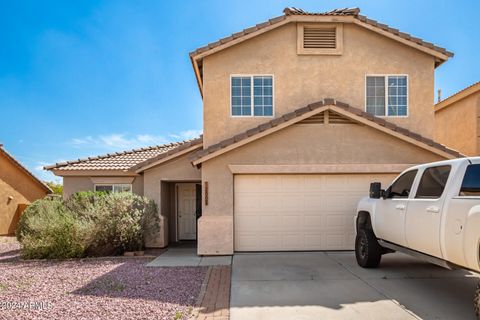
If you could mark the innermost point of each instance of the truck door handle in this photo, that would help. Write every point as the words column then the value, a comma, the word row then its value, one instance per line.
column 433, row 209
column 400, row 207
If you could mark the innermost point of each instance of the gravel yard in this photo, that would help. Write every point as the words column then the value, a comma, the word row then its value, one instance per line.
column 118, row 288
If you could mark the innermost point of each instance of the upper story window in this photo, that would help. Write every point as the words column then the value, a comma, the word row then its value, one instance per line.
column 252, row 95
column 387, row 95
column 319, row 38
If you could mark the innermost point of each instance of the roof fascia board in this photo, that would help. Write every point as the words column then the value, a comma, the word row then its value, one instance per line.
column 336, row 109
column 83, row 173
column 168, row 158
column 457, row 97
column 391, row 132
column 259, row 135
column 410, row 43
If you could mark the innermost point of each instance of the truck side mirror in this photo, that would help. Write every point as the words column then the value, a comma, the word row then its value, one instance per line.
column 376, row 191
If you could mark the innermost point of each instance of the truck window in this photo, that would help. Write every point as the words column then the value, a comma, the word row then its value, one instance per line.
column 433, row 182
column 402, row 186
column 471, row 181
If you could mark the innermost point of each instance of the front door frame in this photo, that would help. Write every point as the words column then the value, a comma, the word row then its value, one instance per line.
column 177, row 231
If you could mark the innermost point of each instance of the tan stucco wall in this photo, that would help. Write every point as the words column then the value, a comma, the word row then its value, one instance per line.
column 16, row 183
column 72, row 184
column 298, row 144
column 177, row 170
column 302, row 79
column 456, row 125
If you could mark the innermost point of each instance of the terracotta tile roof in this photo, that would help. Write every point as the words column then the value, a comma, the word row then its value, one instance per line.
column 353, row 12
column 24, row 169
column 326, row 102
column 194, row 142
column 121, row 160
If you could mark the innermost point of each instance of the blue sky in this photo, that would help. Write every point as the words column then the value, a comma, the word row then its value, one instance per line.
column 90, row 77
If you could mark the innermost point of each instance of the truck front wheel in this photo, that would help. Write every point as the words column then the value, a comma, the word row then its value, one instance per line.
column 367, row 250
column 476, row 302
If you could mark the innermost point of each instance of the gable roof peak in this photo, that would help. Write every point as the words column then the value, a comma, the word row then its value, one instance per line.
column 335, row 12
column 312, row 109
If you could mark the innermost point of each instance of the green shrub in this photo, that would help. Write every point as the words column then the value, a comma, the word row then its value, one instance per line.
column 47, row 229
column 88, row 223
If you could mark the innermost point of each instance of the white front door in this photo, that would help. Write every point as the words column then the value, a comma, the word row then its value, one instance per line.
column 187, row 220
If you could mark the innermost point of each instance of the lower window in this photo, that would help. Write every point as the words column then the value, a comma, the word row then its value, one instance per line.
column 113, row 187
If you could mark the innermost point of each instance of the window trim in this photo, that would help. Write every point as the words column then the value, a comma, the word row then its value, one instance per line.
column 251, row 93
column 386, row 75
column 112, row 184
column 420, row 180
column 411, row 187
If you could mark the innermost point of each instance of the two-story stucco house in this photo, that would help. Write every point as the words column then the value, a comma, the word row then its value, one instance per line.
column 300, row 114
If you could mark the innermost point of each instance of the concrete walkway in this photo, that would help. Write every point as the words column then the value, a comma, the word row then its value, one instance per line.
column 187, row 257
column 322, row 285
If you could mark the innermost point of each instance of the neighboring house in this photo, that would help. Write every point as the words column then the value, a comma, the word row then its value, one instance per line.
column 18, row 187
column 457, row 120
column 301, row 113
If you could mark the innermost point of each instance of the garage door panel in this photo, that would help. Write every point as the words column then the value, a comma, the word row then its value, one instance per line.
column 298, row 212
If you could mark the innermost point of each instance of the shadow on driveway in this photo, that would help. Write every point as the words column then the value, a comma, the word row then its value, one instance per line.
column 321, row 285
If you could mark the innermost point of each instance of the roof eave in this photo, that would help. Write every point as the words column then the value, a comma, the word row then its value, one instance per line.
column 24, row 169
column 86, row 172
column 462, row 94
column 315, row 108
column 150, row 164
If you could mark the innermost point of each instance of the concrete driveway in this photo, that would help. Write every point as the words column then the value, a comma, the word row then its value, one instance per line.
column 320, row 285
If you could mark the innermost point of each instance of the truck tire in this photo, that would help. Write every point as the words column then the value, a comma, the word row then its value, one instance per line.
column 367, row 250
column 476, row 302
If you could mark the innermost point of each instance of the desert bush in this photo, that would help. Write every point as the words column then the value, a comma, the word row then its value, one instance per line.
column 47, row 229
column 88, row 223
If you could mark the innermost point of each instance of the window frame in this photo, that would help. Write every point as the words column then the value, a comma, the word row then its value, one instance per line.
column 415, row 170
column 459, row 194
column 113, row 184
column 420, row 177
column 386, row 76
column 251, row 95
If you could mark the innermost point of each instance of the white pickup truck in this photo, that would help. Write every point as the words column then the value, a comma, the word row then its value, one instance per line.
column 431, row 211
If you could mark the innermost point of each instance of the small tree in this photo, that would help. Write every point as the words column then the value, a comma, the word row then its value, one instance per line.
column 57, row 188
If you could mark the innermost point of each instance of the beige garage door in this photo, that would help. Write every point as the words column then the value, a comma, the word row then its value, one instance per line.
column 298, row 212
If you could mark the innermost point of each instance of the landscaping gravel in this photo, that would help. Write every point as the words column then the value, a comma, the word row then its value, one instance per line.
column 106, row 288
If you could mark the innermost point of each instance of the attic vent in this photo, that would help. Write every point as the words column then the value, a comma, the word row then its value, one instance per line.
column 336, row 118
column 319, row 38
column 318, row 118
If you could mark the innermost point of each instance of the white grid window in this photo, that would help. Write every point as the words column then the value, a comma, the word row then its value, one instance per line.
column 397, row 95
column 241, row 96
column 387, row 95
column 113, row 187
column 248, row 99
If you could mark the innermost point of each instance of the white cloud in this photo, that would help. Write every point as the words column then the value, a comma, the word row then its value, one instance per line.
column 187, row 134
column 45, row 175
column 119, row 141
